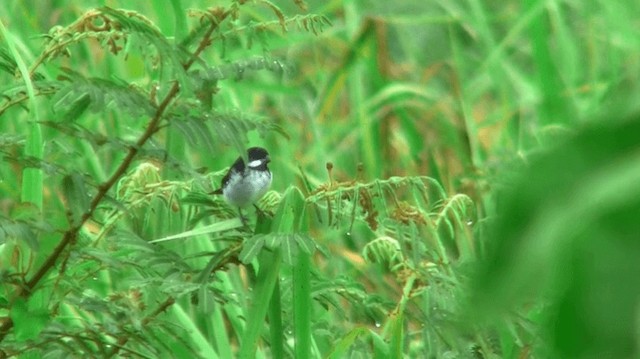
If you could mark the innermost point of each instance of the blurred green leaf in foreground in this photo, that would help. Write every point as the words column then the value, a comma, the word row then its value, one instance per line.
column 566, row 245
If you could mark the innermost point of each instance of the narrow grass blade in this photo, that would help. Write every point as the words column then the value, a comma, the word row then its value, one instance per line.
column 32, row 186
column 302, row 305
column 213, row 228
column 276, row 329
column 197, row 339
column 265, row 285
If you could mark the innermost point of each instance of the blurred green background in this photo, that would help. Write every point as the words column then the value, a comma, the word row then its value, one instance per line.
column 485, row 160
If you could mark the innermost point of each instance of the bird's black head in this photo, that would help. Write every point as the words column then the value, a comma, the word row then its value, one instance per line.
column 258, row 158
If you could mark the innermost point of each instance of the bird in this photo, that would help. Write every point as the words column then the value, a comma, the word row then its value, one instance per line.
column 243, row 185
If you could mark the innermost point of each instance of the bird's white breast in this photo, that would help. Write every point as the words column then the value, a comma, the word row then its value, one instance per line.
column 244, row 191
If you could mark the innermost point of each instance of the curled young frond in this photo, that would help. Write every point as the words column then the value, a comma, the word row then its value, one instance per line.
column 114, row 30
column 384, row 250
column 377, row 199
column 456, row 210
column 144, row 183
column 137, row 191
column 132, row 186
column 92, row 24
column 414, row 211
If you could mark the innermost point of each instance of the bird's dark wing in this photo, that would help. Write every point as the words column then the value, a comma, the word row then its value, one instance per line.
column 237, row 167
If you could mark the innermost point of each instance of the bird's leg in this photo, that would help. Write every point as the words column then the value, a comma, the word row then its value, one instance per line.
column 243, row 219
column 260, row 212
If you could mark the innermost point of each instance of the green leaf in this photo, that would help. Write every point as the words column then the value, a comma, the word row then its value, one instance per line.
column 273, row 241
column 265, row 285
column 217, row 227
column 76, row 107
column 201, row 126
column 200, row 343
column 276, row 329
column 206, row 300
column 198, row 199
column 29, row 317
column 99, row 95
column 289, row 249
column 302, row 305
column 7, row 62
column 76, row 195
column 567, row 235
column 251, row 248
column 237, row 70
column 306, row 243
column 289, row 214
column 215, row 261
column 380, row 346
column 341, row 348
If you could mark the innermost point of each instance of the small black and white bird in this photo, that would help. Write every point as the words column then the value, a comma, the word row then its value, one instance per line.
column 244, row 184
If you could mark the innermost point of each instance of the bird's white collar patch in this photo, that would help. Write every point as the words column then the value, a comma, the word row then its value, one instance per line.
column 255, row 163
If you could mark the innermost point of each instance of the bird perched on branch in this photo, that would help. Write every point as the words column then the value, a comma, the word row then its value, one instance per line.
column 244, row 184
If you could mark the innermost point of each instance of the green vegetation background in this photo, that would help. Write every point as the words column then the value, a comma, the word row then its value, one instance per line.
column 452, row 179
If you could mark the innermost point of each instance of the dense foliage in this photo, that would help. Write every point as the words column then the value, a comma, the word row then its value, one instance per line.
column 451, row 179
